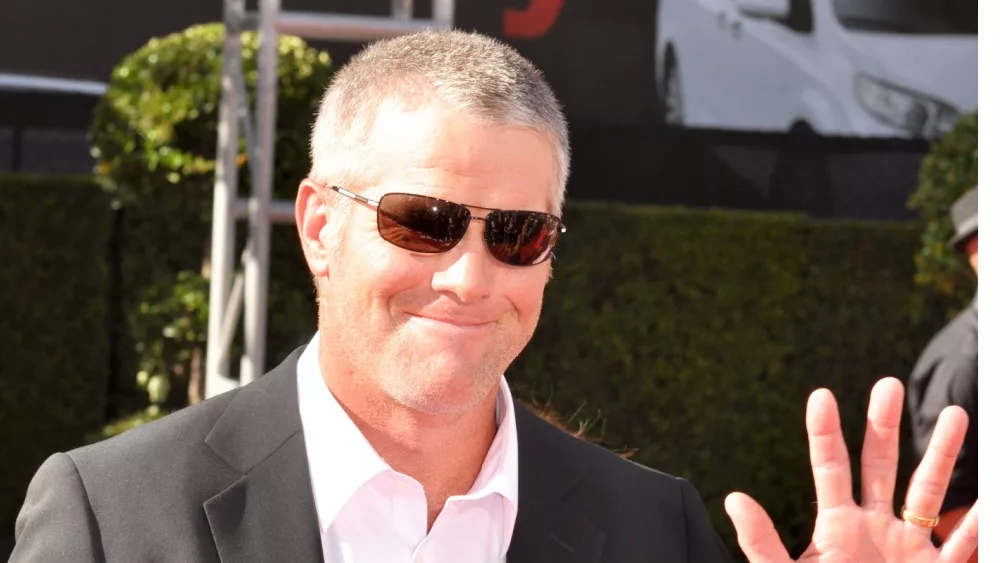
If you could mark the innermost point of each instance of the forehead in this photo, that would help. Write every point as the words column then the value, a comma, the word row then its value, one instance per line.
column 437, row 150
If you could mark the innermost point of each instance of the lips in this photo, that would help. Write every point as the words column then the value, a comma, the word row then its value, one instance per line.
column 469, row 323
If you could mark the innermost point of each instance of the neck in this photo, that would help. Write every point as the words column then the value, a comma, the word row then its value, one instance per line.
column 444, row 453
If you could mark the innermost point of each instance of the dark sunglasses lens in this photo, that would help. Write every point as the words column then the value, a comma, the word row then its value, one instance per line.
column 521, row 238
column 421, row 224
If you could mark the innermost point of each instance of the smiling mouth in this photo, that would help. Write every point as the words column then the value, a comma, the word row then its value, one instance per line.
column 467, row 324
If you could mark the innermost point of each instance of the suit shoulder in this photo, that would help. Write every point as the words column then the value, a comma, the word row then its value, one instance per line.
column 609, row 463
column 613, row 469
column 624, row 498
column 961, row 333
column 178, row 431
column 956, row 341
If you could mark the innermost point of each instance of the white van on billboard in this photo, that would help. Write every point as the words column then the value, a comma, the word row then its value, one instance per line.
column 883, row 68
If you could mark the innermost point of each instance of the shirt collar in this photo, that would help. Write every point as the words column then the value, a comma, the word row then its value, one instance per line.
column 499, row 471
column 331, row 437
column 340, row 458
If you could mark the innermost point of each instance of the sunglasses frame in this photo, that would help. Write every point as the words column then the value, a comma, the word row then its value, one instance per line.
column 375, row 204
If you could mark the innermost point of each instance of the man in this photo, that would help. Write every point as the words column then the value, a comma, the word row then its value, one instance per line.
column 427, row 222
column 947, row 373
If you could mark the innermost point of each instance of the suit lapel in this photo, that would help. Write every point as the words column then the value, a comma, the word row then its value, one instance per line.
column 547, row 530
column 268, row 514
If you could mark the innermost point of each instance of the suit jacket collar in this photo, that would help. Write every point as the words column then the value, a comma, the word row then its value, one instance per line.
column 269, row 513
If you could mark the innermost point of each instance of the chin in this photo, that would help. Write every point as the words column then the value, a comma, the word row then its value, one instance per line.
column 445, row 385
column 435, row 401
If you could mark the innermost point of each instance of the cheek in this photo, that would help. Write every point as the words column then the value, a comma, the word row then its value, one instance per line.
column 393, row 279
column 396, row 279
column 368, row 272
column 525, row 290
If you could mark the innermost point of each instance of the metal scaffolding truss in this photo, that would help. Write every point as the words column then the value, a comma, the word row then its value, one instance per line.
column 232, row 290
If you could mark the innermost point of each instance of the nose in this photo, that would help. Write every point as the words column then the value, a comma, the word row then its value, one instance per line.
column 467, row 273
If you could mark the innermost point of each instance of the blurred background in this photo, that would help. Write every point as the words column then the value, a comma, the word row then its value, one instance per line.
column 758, row 207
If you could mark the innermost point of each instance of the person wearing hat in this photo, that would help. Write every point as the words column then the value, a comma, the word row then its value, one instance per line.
column 947, row 374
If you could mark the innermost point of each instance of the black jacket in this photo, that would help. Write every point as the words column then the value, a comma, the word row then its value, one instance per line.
column 228, row 480
column 947, row 373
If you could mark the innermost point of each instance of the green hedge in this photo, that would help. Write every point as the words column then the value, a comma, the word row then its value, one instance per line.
column 693, row 337
column 696, row 337
column 53, row 324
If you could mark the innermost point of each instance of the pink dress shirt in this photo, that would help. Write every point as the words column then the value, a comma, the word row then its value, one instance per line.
column 370, row 513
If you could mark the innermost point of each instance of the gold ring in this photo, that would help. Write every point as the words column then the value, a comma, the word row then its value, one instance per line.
column 921, row 521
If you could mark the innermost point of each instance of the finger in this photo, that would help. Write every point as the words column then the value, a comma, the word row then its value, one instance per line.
column 930, row 480
column 828, row 452
column 755, row 532
column 964, row 540
column 880, row 453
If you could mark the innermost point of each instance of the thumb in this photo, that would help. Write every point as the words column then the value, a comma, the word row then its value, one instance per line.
column 755, row 532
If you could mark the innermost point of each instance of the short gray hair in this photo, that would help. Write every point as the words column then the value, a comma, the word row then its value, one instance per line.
column 475, row 74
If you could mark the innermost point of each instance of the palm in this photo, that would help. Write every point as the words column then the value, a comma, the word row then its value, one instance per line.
column 870, row 532
column 853, row 534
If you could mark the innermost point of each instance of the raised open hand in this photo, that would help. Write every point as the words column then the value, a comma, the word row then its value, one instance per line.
column 869, row 532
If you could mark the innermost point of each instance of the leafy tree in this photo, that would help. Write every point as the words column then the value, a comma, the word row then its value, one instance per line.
column 154, row 136
column 951, row 168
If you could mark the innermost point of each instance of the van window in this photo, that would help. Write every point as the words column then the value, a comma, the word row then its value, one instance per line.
column 45, row 132
column 800, row 17
column 920, row 17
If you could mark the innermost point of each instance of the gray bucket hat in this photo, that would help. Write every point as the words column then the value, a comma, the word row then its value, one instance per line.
column 965, row 218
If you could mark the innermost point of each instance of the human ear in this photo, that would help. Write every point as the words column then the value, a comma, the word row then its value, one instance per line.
column 311, row 218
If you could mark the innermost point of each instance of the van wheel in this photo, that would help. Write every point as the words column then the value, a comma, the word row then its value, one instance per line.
column 671, row 97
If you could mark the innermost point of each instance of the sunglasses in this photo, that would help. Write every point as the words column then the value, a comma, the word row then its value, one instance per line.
column 430, row 225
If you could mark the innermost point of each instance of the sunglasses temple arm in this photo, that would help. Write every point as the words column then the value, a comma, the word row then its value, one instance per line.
column 354, row 196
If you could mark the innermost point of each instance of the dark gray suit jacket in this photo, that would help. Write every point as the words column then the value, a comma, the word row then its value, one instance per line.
column 227, row 481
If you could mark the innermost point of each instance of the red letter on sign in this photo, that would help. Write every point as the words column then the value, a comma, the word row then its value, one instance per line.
column 533, row 21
